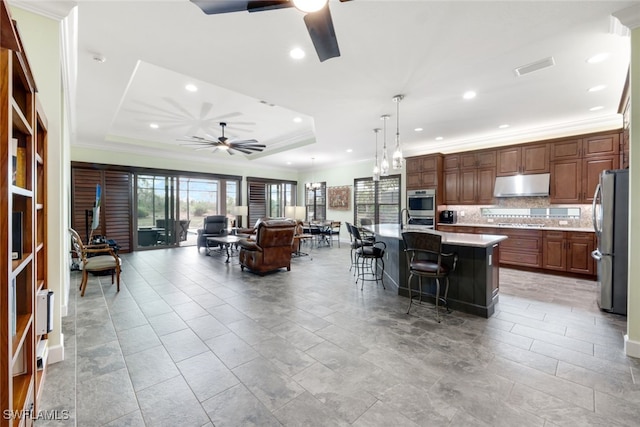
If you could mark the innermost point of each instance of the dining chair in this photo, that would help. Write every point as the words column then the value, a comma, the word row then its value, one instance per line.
column 95, row 258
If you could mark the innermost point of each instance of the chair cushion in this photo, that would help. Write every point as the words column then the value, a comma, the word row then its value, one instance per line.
column 100, row 262
column 370, row 251
column 428, row 267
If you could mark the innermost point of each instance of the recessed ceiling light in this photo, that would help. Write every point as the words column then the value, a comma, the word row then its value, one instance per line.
column 503, row 126
column 297, row 119
column 596, row 88
column 191, row 87
column 99, row 58
column 418, row 129
column 349, row 150
column 599, row 107
column 288, row 163
column 469, row 95
column 296, row 53
column 153, row 125
column 598, row 58
column 439, row 138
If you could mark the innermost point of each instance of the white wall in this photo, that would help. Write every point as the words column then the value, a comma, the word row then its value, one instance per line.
column 343, row 176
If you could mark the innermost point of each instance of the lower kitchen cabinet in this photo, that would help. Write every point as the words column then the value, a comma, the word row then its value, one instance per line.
column 569, row 251
column 547, row 250
column 522, row 248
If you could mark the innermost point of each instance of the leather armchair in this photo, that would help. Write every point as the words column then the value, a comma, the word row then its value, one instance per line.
column 271, row 248
column 213, row 226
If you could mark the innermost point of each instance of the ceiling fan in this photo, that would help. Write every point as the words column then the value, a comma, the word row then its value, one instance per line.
column 246, row 146
column 317, row 18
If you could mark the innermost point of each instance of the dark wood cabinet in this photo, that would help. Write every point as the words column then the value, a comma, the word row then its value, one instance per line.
column 566, row 181
column 522, row 248
column 624, row 149
column 523, row 159
column 599, row 145
column 568, row 251
column 591, row 169
column 550, row 250
column 579, row 248
column 469, row 177
column 554, row 253
column 423, row 172
column 451, row 187
column 577, row 164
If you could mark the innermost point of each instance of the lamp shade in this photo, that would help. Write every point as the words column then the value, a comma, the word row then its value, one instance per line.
column 241, row 210
column 295, row 212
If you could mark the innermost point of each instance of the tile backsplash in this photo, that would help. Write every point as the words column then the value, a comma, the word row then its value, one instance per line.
column 471, row 214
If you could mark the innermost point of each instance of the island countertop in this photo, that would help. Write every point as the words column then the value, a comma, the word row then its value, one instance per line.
column 474, row 285
column 457, row 239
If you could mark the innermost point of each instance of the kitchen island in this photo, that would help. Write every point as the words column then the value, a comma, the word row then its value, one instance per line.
column 473, row 285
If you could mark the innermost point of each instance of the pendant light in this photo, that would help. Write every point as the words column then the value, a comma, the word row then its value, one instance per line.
column 376, row 169
column 397, row 154
column 314, row 185
column 384, row 164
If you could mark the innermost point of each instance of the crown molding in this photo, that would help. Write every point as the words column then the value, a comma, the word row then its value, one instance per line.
column 57, row 10
column 629, row 17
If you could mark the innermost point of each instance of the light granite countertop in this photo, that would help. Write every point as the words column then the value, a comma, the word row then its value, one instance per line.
column 579, row 229
column 459, row 239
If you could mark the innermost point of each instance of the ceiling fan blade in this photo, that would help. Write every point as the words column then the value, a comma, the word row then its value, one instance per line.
column 323, row 35
column 249, row 147
column 211, row 7
column 260, row 5
column 242, row 150
column 244, row 141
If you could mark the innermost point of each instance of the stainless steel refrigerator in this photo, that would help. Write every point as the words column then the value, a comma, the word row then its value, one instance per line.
column 610, row 221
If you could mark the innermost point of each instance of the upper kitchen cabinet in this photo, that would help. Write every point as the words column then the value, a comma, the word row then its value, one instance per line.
column 423, row 172
column 469, row 177
column 577, row 163
column 523, row 159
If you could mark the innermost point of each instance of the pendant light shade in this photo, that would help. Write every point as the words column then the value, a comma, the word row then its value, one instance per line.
column 384, row 164
column 376, row 169
column 397, row 153
column 314, row 185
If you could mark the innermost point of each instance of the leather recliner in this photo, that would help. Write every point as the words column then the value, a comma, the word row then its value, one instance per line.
column 271, row 248
column 213, row 226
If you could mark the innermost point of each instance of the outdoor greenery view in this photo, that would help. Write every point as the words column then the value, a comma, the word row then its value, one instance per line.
column 158, row 197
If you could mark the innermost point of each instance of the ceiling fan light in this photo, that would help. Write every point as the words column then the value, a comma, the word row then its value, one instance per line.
column 309, row 6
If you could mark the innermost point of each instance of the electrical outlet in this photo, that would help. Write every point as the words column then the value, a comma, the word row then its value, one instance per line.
column 563, row 222
column 461, row 213
column 490, row 220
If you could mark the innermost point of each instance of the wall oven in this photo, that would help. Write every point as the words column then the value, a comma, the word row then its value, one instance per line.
column 421, row 203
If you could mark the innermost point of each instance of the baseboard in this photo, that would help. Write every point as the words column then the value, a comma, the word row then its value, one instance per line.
column 56, row 352
column 631, row 348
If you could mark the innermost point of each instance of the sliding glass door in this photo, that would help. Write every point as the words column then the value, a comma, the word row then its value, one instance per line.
column 156, row 204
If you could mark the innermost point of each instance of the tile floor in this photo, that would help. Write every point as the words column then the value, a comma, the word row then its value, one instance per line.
column 192, row 341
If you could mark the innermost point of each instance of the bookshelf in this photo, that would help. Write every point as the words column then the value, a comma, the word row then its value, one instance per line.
column 23, row 218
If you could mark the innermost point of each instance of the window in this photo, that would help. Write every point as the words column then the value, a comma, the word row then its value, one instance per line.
column 316, row 202
column 269, row 198
column 167, row 205
column 377, row 201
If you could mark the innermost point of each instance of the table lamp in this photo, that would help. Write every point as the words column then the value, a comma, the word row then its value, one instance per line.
column 239, row 212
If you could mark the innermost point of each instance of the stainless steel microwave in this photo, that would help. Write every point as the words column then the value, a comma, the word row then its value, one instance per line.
column 421, row 203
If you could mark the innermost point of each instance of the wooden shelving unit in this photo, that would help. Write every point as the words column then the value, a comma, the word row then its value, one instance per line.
column 23, row 146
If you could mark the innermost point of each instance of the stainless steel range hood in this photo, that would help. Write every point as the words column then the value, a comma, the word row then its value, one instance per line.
column 522, row 185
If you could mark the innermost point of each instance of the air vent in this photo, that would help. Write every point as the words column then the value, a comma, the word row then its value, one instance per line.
column 535, row 66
